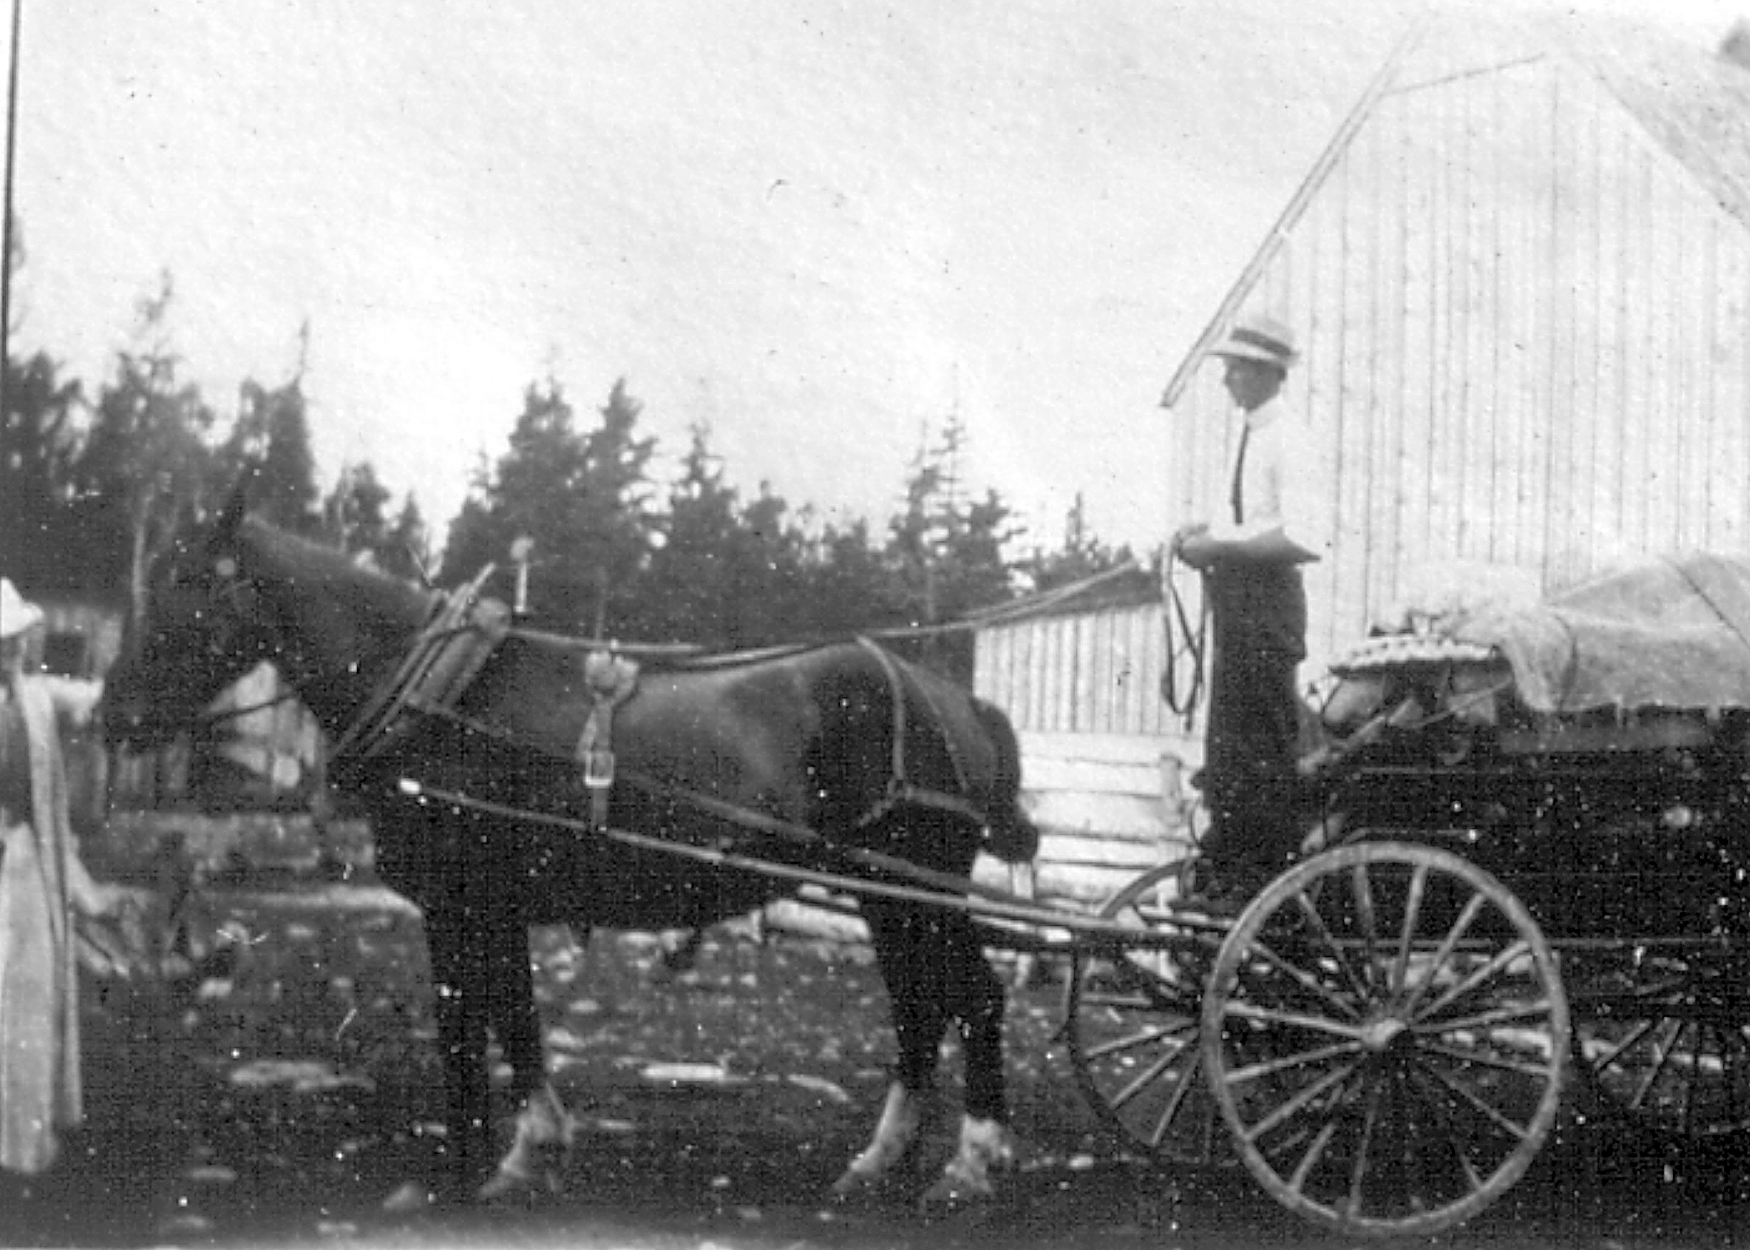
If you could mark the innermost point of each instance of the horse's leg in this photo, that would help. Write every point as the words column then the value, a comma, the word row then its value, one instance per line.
column 460, row 987
column 903, row 944
column 542, row 1125
column 973, row 993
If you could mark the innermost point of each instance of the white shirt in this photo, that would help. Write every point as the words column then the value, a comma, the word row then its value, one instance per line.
column 1282, row 482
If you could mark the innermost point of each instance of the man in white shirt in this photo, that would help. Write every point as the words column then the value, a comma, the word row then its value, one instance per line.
column 1251, row 562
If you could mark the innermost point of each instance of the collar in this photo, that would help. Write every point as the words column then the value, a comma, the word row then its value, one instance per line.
column 1264, row 414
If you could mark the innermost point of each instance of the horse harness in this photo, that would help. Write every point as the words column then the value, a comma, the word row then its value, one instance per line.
column 466, row 629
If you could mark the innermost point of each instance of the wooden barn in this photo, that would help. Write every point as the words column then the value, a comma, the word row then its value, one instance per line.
column 1520, row 277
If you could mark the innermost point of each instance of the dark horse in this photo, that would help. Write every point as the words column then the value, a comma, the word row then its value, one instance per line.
column 481, row 815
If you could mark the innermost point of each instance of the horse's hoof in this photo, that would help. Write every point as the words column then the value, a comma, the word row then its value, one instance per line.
column 854, row 1185
column 501, row 1185
column 952, row 1195
column 410, row 1197
column 514, row 1184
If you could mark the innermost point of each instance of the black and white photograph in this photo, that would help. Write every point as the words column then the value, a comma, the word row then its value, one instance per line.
column 817, row 625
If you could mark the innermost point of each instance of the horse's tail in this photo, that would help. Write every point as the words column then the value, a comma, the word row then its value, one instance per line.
column 1013, row 837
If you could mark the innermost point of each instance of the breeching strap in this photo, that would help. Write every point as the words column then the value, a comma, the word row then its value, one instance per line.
column 900, row 791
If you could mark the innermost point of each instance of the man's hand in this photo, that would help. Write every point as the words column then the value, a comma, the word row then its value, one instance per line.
column 1184, row 534
column 1193, row 545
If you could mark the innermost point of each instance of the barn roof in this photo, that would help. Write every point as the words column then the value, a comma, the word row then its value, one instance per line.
column 1693, row 104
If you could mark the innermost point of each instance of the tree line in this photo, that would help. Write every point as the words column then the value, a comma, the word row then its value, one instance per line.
column 94, row 484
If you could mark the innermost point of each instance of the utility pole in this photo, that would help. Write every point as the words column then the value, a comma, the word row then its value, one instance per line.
column 6, row 229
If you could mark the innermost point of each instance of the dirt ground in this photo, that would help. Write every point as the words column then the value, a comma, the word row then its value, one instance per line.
column 285, row 1107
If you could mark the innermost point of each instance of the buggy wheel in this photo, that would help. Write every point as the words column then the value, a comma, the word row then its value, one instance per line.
column 1662, row 1042
column 1131, row 1016
column 1386, row 1035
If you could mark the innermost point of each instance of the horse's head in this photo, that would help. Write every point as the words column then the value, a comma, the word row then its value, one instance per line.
column 199, row 629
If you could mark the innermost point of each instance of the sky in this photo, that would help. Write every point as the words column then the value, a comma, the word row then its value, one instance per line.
column 820, row 230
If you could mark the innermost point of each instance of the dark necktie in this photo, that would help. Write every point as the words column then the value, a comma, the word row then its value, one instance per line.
column 1239, row 475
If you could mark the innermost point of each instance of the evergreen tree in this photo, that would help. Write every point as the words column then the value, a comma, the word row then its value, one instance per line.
column 355, row 514
column 270, row 442
column 1082, row 555
column 146, row 464
column 688, row 589
column 40, row 542
column 946, row 555
column 406, row 549
column 583, row 498
column 847, row 586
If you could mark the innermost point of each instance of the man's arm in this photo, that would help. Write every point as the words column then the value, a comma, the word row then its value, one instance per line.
column 1200, row 549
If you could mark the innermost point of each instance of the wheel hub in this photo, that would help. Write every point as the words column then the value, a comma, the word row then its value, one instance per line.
column 1377, row 1036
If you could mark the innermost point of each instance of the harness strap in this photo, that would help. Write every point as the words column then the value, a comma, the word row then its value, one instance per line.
column 1189, row 646
column 610, row 679
column 448, row 654
column 900, row 790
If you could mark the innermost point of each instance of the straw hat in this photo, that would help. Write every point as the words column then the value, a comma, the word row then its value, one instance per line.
column 1259, row 338
column 17, row 614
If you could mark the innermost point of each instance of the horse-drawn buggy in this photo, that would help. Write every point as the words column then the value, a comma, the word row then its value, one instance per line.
column 1523, row 862
column 1529, row 844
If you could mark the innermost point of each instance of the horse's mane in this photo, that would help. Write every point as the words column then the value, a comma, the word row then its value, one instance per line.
column 316, row 563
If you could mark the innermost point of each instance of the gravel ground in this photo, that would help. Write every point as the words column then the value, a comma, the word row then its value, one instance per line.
column 285, row 1106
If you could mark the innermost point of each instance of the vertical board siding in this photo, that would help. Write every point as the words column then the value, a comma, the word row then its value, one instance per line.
column 1111, row 659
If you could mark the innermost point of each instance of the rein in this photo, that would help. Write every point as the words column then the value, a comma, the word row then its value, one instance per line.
column 233, row 713
column 967, row 895
column 1189, row 647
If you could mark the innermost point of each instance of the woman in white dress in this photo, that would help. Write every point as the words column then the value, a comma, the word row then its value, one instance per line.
column 42, row 884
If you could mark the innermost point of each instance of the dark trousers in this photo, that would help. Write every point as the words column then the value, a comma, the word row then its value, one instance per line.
column 1252, row 741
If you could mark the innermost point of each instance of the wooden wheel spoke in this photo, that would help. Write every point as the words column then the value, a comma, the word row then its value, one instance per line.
column 1363, row 887
column 1519, row 1132
column 1419, row 1083
column 1358, row 1169
column 1187, row 1081
column 1134, row 1013
column 1124, row 1002
column 1448, row 944
column 1478, row 977
column 1696, row 1054
column 1300, row 1059
column 1505, row 1014
column 1310, row 1160
column 1662, row 1051
column 1148, row 1076
column 1295, row 1105
column 1304, row 979
column 1323, row 931
column 1407, row 934
column 1293, row 1019
column 1136, row 1041
column 1487, row 1060
column 1616, row 1051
